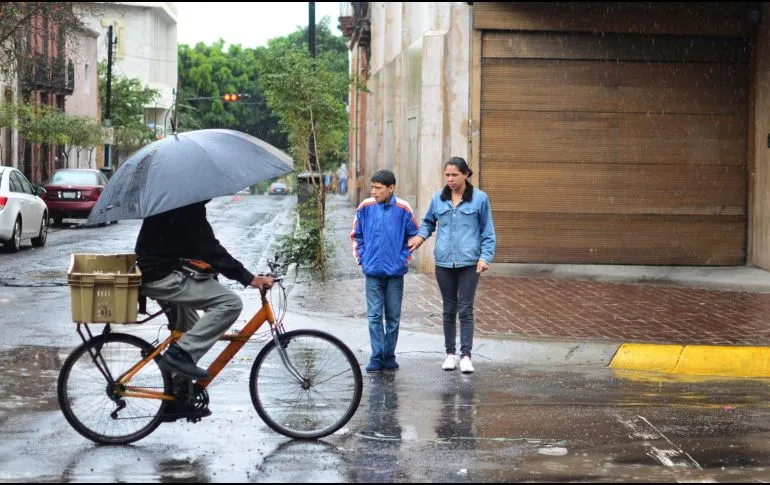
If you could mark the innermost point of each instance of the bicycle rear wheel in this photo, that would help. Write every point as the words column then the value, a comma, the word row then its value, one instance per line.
column 323, row 402
column 88, row 396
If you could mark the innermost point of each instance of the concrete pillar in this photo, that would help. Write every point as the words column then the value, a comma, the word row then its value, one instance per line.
column 432, row 152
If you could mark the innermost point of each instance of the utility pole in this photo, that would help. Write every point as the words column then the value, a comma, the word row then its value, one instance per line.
column 311, row 29
column 312, row 158
column 107, row 122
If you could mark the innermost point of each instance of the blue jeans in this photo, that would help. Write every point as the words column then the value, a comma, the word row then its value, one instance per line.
column 384, row 295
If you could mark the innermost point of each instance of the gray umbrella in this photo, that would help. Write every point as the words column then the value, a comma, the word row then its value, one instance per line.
column 186, row 168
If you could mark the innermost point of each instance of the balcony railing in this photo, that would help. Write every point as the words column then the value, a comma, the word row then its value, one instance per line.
column 62, row 76
column 58, row 75
column 41, row 77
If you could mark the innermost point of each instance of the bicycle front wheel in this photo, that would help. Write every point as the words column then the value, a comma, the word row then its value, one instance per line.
column 90, row 399
column 319, row 404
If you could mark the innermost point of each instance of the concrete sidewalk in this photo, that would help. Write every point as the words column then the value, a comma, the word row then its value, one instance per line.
column 710, row 321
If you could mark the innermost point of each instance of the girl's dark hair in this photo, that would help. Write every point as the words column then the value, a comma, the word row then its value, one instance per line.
column 464, row 169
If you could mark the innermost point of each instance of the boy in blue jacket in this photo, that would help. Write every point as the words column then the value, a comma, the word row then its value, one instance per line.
column 381, row 230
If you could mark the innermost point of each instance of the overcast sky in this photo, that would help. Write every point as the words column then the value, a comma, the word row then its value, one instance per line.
column 249, row 24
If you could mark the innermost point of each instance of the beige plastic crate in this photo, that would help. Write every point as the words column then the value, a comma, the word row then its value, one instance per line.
column 104, row 287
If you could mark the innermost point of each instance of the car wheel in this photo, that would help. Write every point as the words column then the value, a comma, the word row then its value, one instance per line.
column 39, row 241
column 57, row 221
column 13, row 244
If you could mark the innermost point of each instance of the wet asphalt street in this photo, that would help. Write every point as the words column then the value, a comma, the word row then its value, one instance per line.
column 507, row 422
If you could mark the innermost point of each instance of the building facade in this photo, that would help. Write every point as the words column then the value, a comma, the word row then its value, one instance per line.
column 145, row 37
column 603, row 132
column 84, row 100
column 9, row 137
column 43, row 78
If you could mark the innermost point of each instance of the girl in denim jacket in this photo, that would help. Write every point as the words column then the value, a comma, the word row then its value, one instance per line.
column 465, row 246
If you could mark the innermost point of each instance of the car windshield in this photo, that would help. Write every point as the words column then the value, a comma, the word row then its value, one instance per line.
column 75, row 178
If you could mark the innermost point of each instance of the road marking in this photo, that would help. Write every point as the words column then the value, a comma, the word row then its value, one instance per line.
column 671, row 455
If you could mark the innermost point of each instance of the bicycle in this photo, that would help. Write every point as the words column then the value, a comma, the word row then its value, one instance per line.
column 304, row 384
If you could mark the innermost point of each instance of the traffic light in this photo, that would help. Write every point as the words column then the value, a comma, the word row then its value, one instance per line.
column 229, row 98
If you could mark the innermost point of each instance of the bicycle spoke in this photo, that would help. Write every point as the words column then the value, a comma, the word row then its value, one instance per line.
column 333, row 379
column 89, row 401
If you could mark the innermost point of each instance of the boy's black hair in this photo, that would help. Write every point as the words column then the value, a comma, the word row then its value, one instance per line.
column 384, row 177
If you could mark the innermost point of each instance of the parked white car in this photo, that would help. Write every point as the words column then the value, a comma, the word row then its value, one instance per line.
column 23, row 214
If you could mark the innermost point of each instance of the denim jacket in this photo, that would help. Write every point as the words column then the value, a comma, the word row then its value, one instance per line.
column 466, row 233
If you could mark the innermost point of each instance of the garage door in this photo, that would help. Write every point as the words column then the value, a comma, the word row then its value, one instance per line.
column 615, row 148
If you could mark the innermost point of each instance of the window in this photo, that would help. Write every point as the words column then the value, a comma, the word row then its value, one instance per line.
column 25, row 185
column 15, row 183
column 68, row 177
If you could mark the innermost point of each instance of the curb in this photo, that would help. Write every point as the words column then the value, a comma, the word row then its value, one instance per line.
column 697, row 360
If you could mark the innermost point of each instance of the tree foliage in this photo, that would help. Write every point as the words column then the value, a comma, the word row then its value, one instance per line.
column 307, row 94
column 286, row 89
column 307, row 97
column 84, row 134
column 212, row 71
column 129, row 97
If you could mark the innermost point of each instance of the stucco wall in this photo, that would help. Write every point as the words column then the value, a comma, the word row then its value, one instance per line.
column 418, row 101
column 84, row 100
column 759, row 149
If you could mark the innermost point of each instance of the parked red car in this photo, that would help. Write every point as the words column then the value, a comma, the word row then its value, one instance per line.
column 73, row 192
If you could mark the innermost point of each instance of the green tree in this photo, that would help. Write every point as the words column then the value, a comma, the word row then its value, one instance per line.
column 129, row 97
column 42, row 125
column 307, row 95
column 212, row 72
column 84, row 133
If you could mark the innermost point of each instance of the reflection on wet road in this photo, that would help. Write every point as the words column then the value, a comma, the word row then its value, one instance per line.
column 505, row 423
column 502, row 424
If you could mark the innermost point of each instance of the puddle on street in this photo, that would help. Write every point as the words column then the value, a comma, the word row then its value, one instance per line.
column 29, row 378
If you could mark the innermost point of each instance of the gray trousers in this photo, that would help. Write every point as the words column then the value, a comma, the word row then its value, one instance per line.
column 221, row 306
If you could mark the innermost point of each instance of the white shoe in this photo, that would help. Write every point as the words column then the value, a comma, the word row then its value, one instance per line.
column 450, row 363
column 466, row 367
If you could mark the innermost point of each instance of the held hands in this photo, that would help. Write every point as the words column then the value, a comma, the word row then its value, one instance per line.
column 481, row 266
column 264, row 283
column 415, row 242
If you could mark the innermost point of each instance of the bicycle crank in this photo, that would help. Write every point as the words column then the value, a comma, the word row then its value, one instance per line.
column 199, row 401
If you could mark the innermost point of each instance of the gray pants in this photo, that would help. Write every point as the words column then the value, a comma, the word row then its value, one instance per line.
column 221, row 306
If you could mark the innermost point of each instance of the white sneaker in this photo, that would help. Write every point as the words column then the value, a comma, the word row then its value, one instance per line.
column 450, row 363
column 466, row 367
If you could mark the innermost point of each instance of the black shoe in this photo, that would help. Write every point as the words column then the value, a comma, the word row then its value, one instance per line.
column 177, row 409
column 177, row 360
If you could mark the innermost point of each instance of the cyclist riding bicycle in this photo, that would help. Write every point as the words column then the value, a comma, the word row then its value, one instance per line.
column 179, row 257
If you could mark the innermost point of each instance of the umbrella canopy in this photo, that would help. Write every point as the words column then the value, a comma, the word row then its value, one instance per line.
column 186, row 168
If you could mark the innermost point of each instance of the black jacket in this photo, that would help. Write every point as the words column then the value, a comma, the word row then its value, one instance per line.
column 166, row 238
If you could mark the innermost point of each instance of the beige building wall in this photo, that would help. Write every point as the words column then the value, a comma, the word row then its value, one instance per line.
column 84, row 100
column 758, row 251
column 418, row 100
column 9, row 138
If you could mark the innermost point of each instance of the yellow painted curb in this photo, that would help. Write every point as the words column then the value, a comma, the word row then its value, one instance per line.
column 704, row 360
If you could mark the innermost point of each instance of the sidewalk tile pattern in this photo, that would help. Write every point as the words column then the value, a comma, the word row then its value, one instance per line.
column 548, row 308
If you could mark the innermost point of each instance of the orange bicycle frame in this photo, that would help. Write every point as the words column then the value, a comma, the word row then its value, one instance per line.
column 237, row 341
